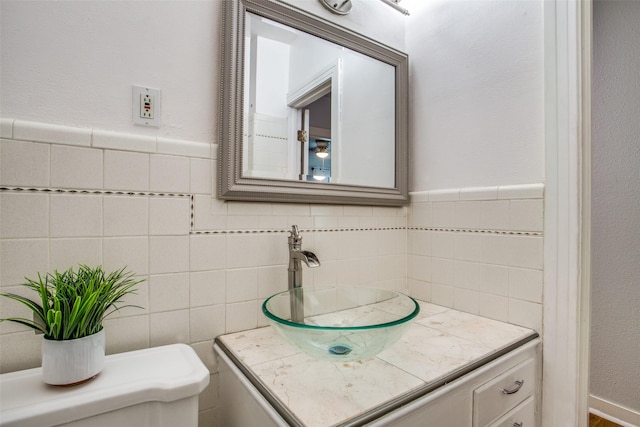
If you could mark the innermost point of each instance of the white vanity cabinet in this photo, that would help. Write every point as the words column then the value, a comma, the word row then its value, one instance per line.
column 477, row 398
column 474, row 400
column 452, row 369
column 502, row 395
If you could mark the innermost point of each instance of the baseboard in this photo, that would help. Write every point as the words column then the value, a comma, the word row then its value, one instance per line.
column 613, row 412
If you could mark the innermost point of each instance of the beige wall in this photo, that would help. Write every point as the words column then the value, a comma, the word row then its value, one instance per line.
column 615, row 317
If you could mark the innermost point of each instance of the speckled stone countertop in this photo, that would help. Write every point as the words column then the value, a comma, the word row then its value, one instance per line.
column 440, row 345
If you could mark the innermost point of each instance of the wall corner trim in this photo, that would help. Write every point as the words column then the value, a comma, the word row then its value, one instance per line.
column 518, row 191
column 24, row 130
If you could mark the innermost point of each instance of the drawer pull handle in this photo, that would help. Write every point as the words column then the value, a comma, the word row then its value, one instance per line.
column 517, row 424
column 518, row 386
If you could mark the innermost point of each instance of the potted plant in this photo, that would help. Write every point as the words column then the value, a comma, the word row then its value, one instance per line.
column 69, row 310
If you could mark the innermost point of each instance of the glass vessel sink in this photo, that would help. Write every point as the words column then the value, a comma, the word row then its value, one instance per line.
column 341, row 324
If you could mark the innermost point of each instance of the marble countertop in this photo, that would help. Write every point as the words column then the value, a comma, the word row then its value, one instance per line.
column 440, row 343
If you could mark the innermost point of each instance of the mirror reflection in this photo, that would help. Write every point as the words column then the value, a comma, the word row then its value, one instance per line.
column 315, row 111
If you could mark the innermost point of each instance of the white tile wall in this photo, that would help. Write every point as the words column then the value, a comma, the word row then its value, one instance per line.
column 132, row 252
column 169, row 216
column 76, row 167
column 183, row 148
column 122, row 141
column 168, row 292
column 494, row 215
column 241, row 316
column 526, row 215
column 20, row 350
column 206, row 322
column 168, row 254
column 207, row 288
column 270, row 280
column 526, row 251
column 22, row 257
column 125, row 170
column 169, row 174
column 493, row 306
column 208, row 252
column 126, row 215
column 73, row 216
column 169, row 327
column 525, row 284
column 479, row 250
column 67, row 252
column 34, row 173
column 201, row 182
column 6, row 128
column 148, row 204
column 24, row 215
column 45, row 132
column 127, row 333
column 242, row 285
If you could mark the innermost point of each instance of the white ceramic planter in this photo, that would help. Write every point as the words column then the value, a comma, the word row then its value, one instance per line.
column 72, row 361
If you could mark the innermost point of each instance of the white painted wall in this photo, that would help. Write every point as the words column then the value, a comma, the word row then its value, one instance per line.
column 267, row 153
column 272, row 77
column 477, row 94
column 615, row 320
column 74, row 63
column 310, row 56
column 368, row 111
column 372, row 18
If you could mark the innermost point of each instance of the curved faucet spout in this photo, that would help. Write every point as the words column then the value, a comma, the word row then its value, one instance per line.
column 309, row 258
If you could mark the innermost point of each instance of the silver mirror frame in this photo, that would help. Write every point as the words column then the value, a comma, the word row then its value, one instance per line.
column 230, row 183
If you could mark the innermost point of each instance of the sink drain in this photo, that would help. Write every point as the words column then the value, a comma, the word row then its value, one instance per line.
column 340, row 349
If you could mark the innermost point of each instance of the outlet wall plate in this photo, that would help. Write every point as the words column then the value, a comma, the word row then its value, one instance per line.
column 146, row 106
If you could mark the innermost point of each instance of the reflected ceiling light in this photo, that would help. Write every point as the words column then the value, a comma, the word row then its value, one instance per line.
column 318, row 174
column 321, row 149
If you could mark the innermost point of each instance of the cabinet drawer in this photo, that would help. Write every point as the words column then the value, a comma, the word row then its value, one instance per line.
column 503, row 393
column 522, row 415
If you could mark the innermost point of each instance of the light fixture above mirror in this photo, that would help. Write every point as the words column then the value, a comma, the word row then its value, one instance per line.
column 340, row 7
column 343, row 7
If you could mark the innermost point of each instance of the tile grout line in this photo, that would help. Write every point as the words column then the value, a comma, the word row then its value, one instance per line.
column 478, row 231
column 87, row 191
column 192, row 229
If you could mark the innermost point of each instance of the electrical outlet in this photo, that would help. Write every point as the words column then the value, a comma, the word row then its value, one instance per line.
column 146, row 106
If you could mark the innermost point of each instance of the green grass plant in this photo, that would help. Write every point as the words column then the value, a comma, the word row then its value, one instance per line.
column 73, row 304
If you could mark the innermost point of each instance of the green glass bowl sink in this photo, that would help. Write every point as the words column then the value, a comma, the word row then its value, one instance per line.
column 341, row 324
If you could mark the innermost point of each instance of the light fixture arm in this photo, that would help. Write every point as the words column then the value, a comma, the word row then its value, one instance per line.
column 343, row 7
column 396, row 6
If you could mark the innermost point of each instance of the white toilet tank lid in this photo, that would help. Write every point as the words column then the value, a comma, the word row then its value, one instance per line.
column 159, row 374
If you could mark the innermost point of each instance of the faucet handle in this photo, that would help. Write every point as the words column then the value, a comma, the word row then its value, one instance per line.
column 294, row 231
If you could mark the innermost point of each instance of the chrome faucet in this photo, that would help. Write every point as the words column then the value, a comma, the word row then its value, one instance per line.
column 296, row 257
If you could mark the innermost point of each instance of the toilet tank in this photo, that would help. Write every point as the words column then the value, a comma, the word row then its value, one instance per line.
column 156, row 387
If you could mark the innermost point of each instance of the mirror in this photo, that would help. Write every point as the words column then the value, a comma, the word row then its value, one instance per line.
column 312, row 112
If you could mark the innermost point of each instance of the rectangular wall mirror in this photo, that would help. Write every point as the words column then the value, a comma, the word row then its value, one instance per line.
column 311, row 111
